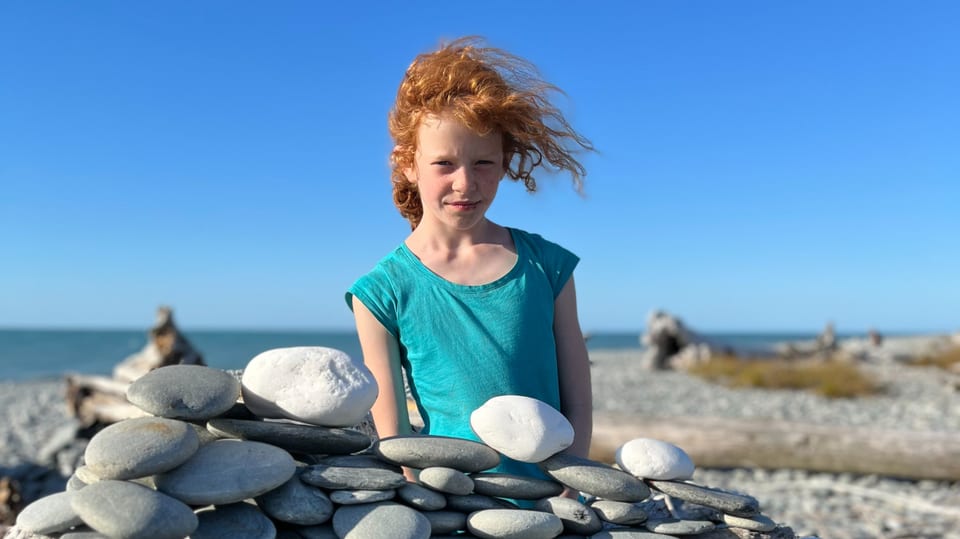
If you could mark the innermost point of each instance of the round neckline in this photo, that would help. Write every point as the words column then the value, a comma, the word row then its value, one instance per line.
column 496, row 283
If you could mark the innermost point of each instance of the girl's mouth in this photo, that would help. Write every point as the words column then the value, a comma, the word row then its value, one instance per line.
column 463, row 205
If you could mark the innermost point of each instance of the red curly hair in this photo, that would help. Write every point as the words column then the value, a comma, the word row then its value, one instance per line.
column 487, row 89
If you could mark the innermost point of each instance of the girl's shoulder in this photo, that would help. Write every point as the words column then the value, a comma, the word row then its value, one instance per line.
column 379, row 287
column 536, row 242
column 395, row 264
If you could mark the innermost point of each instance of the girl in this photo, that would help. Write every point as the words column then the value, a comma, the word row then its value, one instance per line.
column 466, row 308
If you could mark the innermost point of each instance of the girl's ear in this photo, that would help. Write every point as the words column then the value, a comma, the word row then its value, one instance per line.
column 409, row 172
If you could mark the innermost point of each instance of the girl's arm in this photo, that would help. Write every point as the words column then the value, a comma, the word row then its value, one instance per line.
column 573, row 364
column 381, row 354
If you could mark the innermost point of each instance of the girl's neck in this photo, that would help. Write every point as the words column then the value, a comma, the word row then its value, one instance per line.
column 475, row 257
column 436, row 239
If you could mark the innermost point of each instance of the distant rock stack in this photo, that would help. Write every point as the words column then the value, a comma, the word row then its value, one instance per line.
column 267, row 455
column 166, row 346
column 670, row 344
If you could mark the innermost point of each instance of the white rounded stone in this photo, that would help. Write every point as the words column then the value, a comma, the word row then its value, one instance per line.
column 522, row 428
column 654, row 459
column 313, row 384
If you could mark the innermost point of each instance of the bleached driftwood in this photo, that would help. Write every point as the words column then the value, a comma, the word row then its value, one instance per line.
column 102, row 400
column 755, row 443
column 99, row 399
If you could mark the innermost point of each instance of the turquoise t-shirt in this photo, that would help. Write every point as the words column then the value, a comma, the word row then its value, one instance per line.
column 461, row 345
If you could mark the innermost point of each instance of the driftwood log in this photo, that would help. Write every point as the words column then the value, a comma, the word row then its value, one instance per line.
column 752, row 443
column 99, row 400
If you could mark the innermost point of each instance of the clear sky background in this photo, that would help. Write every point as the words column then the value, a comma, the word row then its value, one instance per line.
column 762, row 165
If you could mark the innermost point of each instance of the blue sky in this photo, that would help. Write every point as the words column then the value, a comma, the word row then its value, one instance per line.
column 762, row 165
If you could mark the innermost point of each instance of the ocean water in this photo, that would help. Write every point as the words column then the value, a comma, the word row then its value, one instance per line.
column 32, row 353
column 26, row 354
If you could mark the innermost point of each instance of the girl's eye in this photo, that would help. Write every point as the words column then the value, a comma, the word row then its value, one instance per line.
column 484, row 162
column 442, row 163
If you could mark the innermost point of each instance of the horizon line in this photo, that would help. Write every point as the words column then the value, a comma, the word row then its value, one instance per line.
column 350, row 329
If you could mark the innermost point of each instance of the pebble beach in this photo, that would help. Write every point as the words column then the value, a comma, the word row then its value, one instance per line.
column 37, row 443
column 827, row 505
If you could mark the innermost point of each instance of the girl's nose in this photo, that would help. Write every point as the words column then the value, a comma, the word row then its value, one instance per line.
column 464, row 180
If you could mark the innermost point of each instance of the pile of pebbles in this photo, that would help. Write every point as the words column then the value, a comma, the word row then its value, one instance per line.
column 206, row 465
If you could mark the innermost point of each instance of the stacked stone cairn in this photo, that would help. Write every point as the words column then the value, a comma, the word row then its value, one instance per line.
column 269, row 453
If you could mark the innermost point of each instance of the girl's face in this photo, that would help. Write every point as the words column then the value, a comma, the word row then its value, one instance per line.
column 456, row 171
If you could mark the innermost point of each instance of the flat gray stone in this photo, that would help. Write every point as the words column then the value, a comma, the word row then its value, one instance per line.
column 684, row 510
column 421, row 498
column 84, row 533
column 74, row 482
column 623, row 513
column 239, row 410
column 514, row 486
column 140, row 447
column 577, row 518
column 420, row 451
column 757, row 523
column 595, row 478
column 323, row 531
column 446, row 480
column 723, row 532
column 359, row 461
column 514, row 524
column 297, row 503
column 233, row 520
column 204, row 434
column 476, row 502
column 379, row 520
column 656, row 508
column 227, row 471
column 727, row 502
column 50, row 514
column 628, row 533
column 353, row 478
column 354, row 497
column 306, row 439
column 86, row 475
column 442, row 522
column 132, row 511
column 190, row 392
column 674, row 526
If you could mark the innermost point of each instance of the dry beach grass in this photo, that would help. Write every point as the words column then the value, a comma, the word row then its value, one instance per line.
column 948, row 360
column 833, row 378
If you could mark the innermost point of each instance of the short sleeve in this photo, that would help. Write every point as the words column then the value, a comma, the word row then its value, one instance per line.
column 562, row 268
column 557, row 262
column 374, row 290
